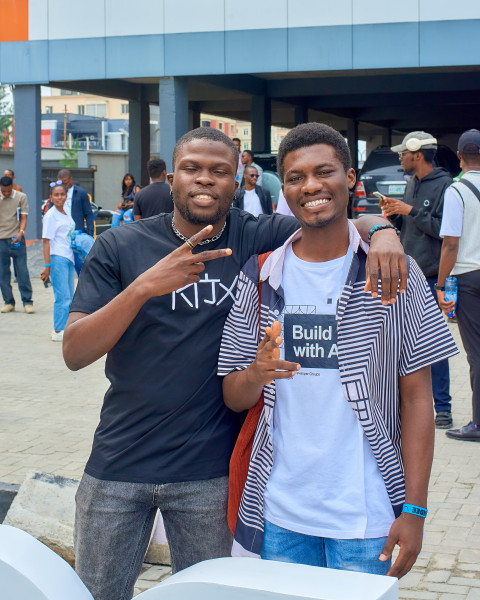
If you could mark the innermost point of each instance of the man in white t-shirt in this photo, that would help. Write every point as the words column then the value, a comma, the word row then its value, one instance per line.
column 252, row 197
column 460, row 257
column 335, row 478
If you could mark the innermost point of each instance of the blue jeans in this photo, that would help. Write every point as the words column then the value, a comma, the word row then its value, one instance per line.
column 114, row 520
column 62, row 277
column 440, row 372
column 119, row 215
column 19, row 256
column 359, row 555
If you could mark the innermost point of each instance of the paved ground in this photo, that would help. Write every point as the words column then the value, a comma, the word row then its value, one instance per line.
column 48, row 416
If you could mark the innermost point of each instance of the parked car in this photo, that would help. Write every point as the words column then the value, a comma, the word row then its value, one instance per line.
column 382, row 173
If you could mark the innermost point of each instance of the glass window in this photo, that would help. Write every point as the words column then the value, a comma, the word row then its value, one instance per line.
column 96, row 110
column 124, row 109
column 81, row 109
column 246, row 131
column 48, row 110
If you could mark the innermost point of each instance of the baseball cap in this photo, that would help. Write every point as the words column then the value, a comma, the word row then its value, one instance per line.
column 469, row 142
column 415, row 141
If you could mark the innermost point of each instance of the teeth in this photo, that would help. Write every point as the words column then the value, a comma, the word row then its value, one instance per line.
column 203, row 197
column 317, row 202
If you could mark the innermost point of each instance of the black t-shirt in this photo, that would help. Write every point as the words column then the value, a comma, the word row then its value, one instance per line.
column 163, row 417
column 152, row 200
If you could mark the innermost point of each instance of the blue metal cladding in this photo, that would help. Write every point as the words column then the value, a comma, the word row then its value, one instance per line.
column 343, row 47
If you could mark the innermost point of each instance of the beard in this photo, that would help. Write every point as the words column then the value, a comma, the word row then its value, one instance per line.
column 200, row 219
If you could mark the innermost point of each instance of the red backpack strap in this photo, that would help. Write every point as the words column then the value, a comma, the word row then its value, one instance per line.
column 240, row 459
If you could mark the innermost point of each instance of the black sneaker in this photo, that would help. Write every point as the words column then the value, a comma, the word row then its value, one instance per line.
column 443, row 420
column 469, row 432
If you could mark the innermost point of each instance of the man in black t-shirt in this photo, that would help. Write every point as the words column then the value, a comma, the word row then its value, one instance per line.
column 154, row 296
column 155, row 198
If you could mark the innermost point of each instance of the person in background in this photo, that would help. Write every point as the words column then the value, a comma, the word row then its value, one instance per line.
column 418, row 217
column 460, row 257
column 238, row 146
column 124, row 211
column 78, row 207
column 155, row 198
column 247, row 161
column 57, row 232
column 252, row 197
column 10, row 173
column 13, row 221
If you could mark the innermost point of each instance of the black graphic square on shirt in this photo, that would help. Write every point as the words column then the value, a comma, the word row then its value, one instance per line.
column 311, row 340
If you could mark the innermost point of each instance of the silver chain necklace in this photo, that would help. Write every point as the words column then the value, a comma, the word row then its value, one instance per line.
column 203, row 242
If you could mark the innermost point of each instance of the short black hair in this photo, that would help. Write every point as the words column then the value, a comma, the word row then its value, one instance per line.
column 428, row 154
column 249, row 152
column 236, row 140
column 155, row 167
column 205, row 133
column 64, row 173
column 10, row 171
column 6, row 181
column 310, row 134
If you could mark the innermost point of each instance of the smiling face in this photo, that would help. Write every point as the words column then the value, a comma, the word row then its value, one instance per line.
column 316, row 185
column 203, row 184
column 58, row 196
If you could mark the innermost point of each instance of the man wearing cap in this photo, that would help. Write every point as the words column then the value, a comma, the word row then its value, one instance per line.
column 418, row 217
column 461, row 258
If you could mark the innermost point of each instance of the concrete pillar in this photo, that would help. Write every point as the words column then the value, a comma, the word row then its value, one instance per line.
column 173, row 99
column 352, row 139
column 193, row 117
column 301, row 115
column 28, row 160
column 261, row 117
column 139, row 140
column 387, row 137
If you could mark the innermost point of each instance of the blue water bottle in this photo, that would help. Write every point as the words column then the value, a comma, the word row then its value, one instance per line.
column 451, row 292
column 15, row 244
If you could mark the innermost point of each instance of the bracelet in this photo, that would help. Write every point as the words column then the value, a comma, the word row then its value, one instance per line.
column 414, row 510
column 22, row 232
column 379, row 228
column 47, row 265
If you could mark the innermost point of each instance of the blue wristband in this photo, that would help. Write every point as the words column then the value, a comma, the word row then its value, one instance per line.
column 415, row 510
column 47, row 265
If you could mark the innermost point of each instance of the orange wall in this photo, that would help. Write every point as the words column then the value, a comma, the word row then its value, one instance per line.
column 14, row 20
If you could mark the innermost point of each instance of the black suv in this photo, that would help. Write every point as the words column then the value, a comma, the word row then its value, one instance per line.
column 382, row 173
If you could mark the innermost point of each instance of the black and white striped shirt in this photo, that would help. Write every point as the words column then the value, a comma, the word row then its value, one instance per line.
column 377, row 344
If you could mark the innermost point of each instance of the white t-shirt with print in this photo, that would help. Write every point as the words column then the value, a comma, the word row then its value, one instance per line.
column 59, row 228
column 251, row 203
column 325, row 480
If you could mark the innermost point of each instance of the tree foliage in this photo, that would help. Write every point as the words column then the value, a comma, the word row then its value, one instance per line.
column 6, row 108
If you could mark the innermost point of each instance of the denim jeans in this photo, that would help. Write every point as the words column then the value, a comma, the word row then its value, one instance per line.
column 440, row 372
column 114, row 520
column 19, row 256
column 359, row 555
column 119, row 215
column 62, row 276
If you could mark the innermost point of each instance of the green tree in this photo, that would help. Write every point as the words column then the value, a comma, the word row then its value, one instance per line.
column 6, row 108
column 70, row 156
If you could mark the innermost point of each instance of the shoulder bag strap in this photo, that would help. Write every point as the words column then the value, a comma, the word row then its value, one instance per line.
column 475, row 191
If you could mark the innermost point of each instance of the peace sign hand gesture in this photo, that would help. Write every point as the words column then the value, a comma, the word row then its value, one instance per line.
column 267, row 365
column 181, row 267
